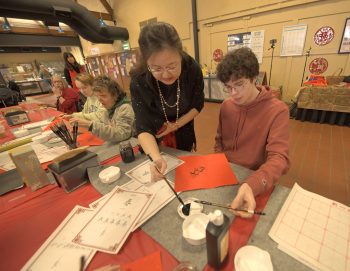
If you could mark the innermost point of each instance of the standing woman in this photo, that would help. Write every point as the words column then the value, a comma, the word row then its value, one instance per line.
column 71, row 69
column 167, row 93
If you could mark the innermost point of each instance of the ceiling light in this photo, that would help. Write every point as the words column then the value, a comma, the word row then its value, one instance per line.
column 102, row 23
column 60, row 30
column 6, row 26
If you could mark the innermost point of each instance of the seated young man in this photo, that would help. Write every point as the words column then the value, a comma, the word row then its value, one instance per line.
column 253, row 127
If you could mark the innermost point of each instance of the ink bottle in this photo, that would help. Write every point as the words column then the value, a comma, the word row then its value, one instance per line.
column 217, row 237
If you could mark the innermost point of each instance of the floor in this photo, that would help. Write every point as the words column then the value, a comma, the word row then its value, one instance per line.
column 319, row 153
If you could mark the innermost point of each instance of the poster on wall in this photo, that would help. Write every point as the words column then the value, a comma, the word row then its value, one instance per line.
column 293, row 40
column 254, row 40
column 345, row 40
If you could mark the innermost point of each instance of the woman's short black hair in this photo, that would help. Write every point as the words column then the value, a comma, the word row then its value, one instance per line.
column 105, row 83
column 237, row 64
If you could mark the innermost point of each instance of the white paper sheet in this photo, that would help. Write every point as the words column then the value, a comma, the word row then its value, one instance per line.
column 58, row 252
column 44, row 153
column 142, row 173
column 112, row 223
column 314, row 230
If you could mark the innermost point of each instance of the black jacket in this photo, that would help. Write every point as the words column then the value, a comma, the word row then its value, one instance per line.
column 147, row 105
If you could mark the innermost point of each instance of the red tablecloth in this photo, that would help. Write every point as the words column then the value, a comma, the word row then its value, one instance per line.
column 24, row 228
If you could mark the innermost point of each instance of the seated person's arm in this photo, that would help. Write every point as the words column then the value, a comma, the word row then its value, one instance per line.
column 120, row 127
column 276, row 164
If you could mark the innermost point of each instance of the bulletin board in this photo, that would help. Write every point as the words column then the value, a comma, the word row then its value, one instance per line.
column 345, row 40
column 253, row 40
column 293, row 40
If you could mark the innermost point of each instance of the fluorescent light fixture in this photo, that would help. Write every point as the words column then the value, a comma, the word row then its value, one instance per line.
column 60, row 30
column 102, row 23
column 6, row 26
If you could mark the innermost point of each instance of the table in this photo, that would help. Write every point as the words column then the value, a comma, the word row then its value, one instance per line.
column 326, row 104
column 26, row 226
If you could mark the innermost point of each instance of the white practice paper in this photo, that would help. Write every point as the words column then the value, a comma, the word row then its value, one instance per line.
column 314, row 230
column 142, row 173
column 162, row 196
column 58, row 252
column 112, row 223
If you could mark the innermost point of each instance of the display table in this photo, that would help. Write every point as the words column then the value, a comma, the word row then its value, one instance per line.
column 328, row 104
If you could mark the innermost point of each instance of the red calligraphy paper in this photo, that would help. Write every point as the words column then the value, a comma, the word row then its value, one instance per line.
column 204, row 171
column 88, row 139
column 151, row 262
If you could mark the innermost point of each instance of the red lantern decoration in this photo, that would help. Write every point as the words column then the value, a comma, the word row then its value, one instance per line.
column 318, row 65
column 324, row 35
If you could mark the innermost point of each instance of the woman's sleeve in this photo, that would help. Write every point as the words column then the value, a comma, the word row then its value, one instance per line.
column 142, row 114
column 70, row 97
column 120, row 128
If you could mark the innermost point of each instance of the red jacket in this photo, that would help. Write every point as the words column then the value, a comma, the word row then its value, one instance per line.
column 256, row 136
column 70, row 104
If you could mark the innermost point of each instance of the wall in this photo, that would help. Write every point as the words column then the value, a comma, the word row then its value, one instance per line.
column 217, row 19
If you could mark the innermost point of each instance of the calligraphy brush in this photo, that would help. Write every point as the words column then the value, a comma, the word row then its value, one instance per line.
column 66, row 132
column 228, row 207
column 185, row 207
column 58, row 131
column 75, row 132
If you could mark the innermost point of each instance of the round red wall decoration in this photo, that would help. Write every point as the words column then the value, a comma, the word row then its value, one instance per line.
column 218, row 54
column 318, row 65
column 324, row 35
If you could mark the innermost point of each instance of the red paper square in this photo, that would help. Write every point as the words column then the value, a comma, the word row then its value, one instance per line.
column 204, row 171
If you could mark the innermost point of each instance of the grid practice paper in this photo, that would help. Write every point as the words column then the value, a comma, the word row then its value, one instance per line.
column 314, row 230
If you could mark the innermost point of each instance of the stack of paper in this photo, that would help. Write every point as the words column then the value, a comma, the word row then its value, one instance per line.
column 104, row 226
column 314, row 230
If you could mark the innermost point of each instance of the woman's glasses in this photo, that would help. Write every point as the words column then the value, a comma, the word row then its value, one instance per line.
column 159, row 71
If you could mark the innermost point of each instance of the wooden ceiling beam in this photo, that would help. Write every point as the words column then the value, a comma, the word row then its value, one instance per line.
column 107, row 7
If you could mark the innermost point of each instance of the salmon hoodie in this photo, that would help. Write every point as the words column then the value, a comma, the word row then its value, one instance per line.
column 255, row 136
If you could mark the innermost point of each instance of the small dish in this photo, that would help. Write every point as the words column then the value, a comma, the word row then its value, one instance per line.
column 250, row 258
column 195, row 207
column 109, row 175
column 193, row 228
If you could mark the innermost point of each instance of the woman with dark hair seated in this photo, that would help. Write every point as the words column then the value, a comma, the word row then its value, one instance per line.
column 117, row 122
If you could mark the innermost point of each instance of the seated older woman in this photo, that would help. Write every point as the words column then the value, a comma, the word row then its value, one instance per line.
column 67, row 98
column 117, row 122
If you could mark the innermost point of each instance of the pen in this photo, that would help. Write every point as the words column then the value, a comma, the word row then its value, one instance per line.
column 228, row 207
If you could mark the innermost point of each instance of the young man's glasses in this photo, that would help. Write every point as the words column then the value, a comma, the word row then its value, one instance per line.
column 237, row 86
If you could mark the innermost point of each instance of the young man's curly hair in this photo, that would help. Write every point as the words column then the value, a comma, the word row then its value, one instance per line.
column 238, row 64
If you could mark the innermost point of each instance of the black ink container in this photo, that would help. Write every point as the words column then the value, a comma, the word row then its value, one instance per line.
column 217, row 236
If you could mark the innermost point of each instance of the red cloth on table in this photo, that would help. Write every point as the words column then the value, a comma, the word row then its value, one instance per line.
column 240, row 231
column 25, row 228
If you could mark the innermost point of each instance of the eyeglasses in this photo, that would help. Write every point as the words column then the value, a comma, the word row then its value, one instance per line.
column 238, row 86
column 159, row 71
